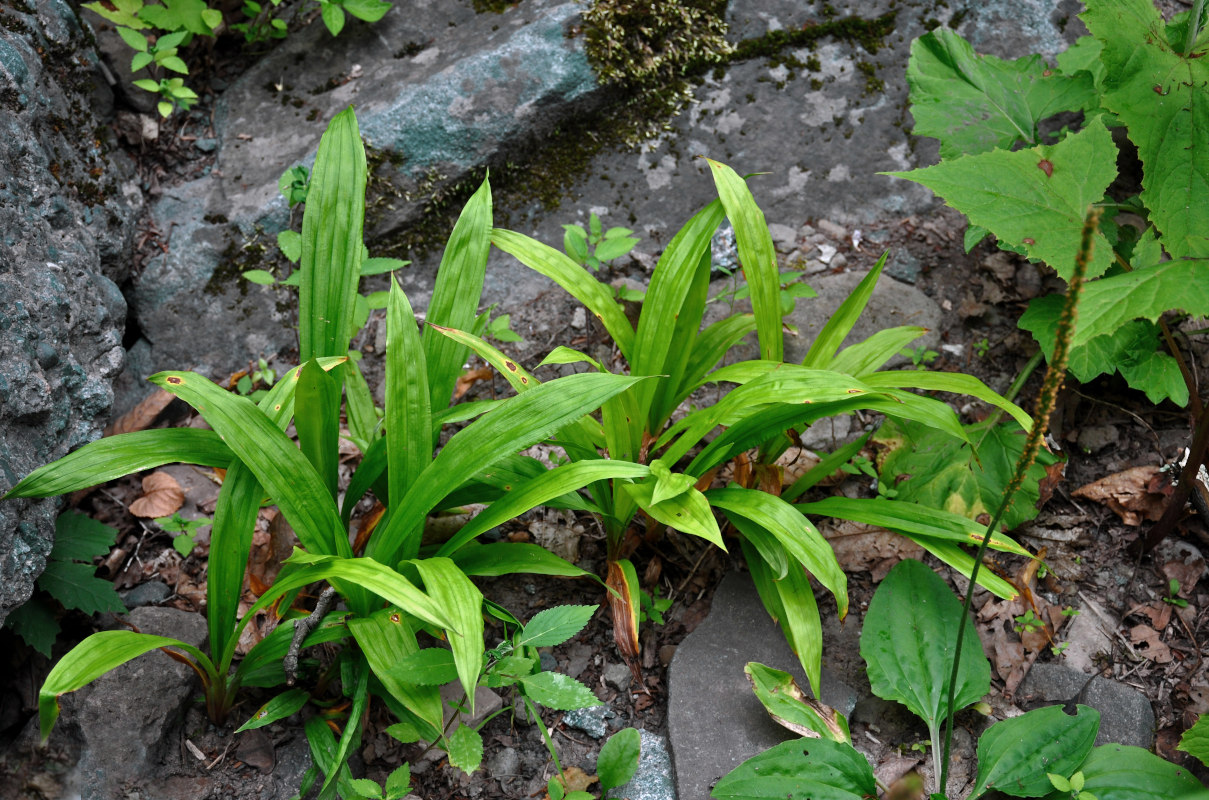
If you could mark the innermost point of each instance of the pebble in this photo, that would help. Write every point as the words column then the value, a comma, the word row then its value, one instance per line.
column 149, row 593
column 831, row 229
column 592, row 721
column 618, row 676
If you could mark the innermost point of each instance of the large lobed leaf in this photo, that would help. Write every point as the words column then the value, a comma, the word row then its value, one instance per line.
column 1160, row 94
column 1034, row 200
column 974, row 103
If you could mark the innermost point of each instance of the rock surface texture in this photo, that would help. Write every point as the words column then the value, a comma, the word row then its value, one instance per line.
column 67, row 213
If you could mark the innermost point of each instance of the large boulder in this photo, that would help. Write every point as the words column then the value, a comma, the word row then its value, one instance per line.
column 440, row 90
column 67, row 209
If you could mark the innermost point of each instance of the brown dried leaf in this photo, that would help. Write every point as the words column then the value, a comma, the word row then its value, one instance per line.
column 1187, row 573
column 1127, row 495
column 255, row 749
column 1010, row 661
column 143, row 415
column 1158, row 612
column 859, row 547
column 796, row 462
column 162, row 495
column 1149, row 644
column 575, row 779
column 470, row 378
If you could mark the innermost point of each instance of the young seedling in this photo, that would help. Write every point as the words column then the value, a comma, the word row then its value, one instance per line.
column 185, row 529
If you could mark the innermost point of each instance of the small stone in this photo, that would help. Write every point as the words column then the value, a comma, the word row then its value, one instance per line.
column 653, row 780
column 666, row 653
column 579, row 318
column 1088, row 635
column 904, row 267
column 783, row 237
column 592, row 721
column 1095, row 438
column 618, row 676
column 149, row 593
column 206, row 145
column 839, row 261
column 549, row 662
column 832, row 230
column 503, row 763
column 1125, row 714
column 558, row 539
column 47, row 355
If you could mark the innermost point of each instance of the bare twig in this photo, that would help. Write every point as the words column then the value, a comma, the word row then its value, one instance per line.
column 303, row 629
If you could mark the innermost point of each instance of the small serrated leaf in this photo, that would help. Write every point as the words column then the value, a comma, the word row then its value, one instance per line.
column 559, row 692
column 553, row 626
column 79, row 537
column 466, row 749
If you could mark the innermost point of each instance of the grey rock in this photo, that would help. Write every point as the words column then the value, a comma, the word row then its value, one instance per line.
column 126, row 719
column 482, row 86
column 1125, row 714
column 1094, row 438
column 783, row 236
column 706, row 683
column 560, row 540
column 892, row 304
column 653, row 780
column 1088, row 636
column 592, row 720
column 502, row 763
column 149, row 593
column 486, row 703
column 66, row 228
column 618, row 676
column 903, row 266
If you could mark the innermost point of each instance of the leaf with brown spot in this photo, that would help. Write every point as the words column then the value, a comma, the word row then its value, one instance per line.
column 1150, row 644
column 162, row 496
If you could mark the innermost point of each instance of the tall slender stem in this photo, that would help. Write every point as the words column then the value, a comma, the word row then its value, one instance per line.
column 1045, row 407
column 1194, row 26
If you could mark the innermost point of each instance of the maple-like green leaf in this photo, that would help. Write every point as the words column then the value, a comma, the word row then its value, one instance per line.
column 974, row 103
column 35, row 623
column 79, row 537
column 1033, row 199
column 175, row 15
column 76, row 586
column 941, row 471
column 1161, row 96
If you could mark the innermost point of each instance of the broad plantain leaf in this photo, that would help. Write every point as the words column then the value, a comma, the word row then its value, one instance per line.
column 805, row 768
column 618, row 760
column 1015, row 755
column 1118, row 772
column 909, row 640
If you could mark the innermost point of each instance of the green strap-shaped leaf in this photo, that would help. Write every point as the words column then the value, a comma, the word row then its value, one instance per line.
column 359, row 402
column 1160, row 95
column 963, row 563
column 331, row 241
column 655, row 342
column 955, row 382
column 833, row 334
column 1034, row 200
column 510, row 427
column 508, row 558
column 1016, row 755
column 862, row 358
column 547, row 485
column 235, row 514
column 262, row 665
column 909, row 643
column 371, row 468
column 283, row 705
column 449, row 587
column 350, row 738
column 688, row 511
column 409, row 432
column 687, row 336
column 317, row 420
column 768, row 549
column 801, row 624
column 558, row 267
column 796, row 534
column 710, row 346
column 1118, row 772
column 974, row 103
column 278, row 465
column 95, row 656
column 912, row 519
column 790, row 708
column 115, row 456
column 756, row 254
column 455, row 297
column 816, row 768
column 387, row 639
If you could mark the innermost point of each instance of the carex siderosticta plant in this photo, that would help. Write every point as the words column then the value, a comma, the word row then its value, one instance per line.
column 922, row 650
column 392, row 588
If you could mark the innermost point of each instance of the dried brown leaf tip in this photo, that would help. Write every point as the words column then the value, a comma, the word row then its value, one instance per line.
column 162, row 496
